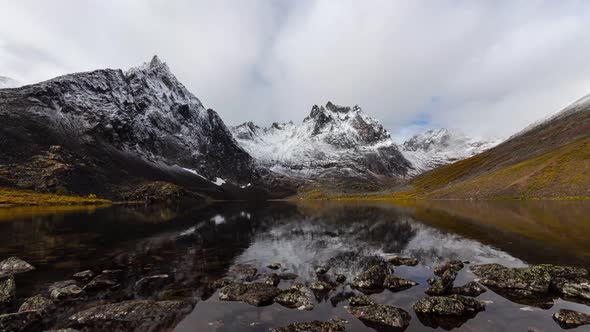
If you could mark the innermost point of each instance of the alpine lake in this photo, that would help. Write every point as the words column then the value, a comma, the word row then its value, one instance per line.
column 191, row 255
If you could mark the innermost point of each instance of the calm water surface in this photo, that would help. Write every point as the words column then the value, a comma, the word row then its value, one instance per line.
column 199, row 244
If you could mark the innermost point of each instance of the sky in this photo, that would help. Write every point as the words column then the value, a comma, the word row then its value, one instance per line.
column 488, row 68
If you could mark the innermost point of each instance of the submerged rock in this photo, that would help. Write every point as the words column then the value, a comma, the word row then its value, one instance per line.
column 288, row 276
column 274, row 266
column 84, row 275
column 273, row 279
column 396, row 284
column 398, row 260
column 148, row 285
column 244, row 272
column 294, row 298
column 471, row 288
column 314, row 326
column 360, row 301
column 7, row 291
column 257, row 294
column 454, row 305
column 341, row 297
column 381, row 317
column 14, row 265
column 569, row 319
column 19, row 321
column 64, row 290
column 139, row 315
column 37, row 303
column 526, row 280
column 371, row 280
column 454, row 265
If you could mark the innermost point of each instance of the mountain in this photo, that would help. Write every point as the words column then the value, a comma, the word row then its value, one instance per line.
column 7, row 83
column 112, row 132
column 334, row 144
column 438, row 147
column 549, row 159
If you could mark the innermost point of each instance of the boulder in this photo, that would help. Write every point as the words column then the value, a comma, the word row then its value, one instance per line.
column 381, row 317
column 526, row 281
column 371, row 280
column 138, row 315
column 273, row 279
column 314, row 326
column 295, row 299
column 453, row 265
column 14, row 265
column 257, row 294
column 7, row 291
column 396, row 284
column 454, row 305
column 398, row 260
column 64, row 290
column 569, row 319
column 148, row 285
column 20, row 321
column 37, row 303
column 84, row 275
column 471, row 288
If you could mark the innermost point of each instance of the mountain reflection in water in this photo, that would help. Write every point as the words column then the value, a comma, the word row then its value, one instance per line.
column 198, row 245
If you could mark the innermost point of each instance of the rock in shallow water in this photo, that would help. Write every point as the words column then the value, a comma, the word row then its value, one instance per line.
column 294, row 299
column 381, row 317
column 370, row 280
column 273, row 279
column 257, row 294
column 527, row 280
column 37, row 303
column 7, row 291
column 454, row 265
column 454, row 305
column 569, row 319
column 398, row 260
column 444, row 285
column 102, row 282
column 396, row 284
column 360, row 301
column 244, row 272
column 471, row 288
column 64, row 290
column 314, row 326
column 274, row 266
column 147, row 286
column 14, row 265
column 141, row 315
column 19, row 321
column 84, row 275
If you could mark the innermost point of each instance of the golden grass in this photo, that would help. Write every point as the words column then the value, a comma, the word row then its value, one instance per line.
column 10, row 197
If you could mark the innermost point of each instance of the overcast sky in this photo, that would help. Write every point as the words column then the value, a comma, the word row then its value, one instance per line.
column 486, row 67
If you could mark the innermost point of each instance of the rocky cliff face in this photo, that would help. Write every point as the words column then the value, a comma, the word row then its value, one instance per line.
column 333, row 142
column 116, row 127
column 438, row 147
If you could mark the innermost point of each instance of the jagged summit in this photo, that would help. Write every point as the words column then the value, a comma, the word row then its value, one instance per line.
column 331, row 141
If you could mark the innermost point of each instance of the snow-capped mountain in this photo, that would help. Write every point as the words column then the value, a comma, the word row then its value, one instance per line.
column 438, row 147
column 7, row 83
column 332, row 142
column 142, row 123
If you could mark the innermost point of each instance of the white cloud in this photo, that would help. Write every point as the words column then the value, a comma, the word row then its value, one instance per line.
column 491, row 67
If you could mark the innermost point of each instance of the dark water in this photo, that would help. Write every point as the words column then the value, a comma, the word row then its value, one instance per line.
column 198, row 245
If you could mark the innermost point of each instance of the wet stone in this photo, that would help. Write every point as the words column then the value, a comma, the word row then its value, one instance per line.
column 244, row 272
column 314, row 326
column 148, row 285
column 396, row 284
column 20, row 321
column 273, row 279
column 453, row 265
column 84, row 275
column 294, row 299
column 322, row 269
column 256, row 294
column 139, row 315
column 382, row 317
column 360, row 301
column 454, row 305
column 399, row 260
column 101, row 282
column 569, row 319
column 14, row 265
column 578, row 288
column 274, row 266
column 320, row 286
column 471, row 288
column 37, row 303
column 64, row 290
column 528, row 280
column 340, row 278
column 370, row 280
column 220, row 283
column 7, row 291
column 444, row 285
